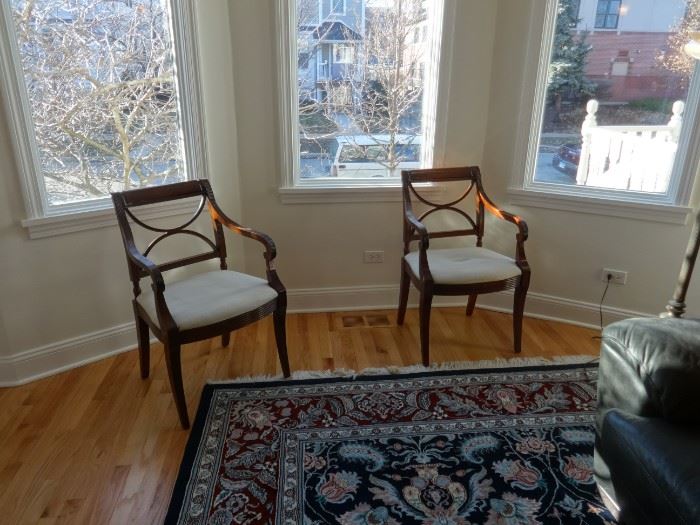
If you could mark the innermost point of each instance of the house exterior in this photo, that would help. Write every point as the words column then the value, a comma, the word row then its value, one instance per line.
column 626, row 40
column 330, row 39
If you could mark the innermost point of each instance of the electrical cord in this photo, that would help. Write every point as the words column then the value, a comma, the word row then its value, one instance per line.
column 602, row 299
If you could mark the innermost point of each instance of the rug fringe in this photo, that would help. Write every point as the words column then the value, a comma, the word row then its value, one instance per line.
column 450, row 365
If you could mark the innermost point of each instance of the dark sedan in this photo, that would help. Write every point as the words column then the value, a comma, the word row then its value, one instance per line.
column 567, row 158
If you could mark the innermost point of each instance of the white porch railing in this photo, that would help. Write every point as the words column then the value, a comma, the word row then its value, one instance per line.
column 638, row 158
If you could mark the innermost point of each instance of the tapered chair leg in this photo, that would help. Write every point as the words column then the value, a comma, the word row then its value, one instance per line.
column 279, row 319
column 403, row 293
column 518, row 309
column 144, row 346
column 226, row 339
column 426, row 299
column 471, row 303
column 172, row 360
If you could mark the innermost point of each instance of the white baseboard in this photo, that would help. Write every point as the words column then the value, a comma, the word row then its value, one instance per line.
column 385, row 297
column 54, row 358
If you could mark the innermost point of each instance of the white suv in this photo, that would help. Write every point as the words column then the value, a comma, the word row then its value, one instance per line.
column 363, row 156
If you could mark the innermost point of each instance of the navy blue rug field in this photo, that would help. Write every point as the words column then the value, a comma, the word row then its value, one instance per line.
column 500, row 446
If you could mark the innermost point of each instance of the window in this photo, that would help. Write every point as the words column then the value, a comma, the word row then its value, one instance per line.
column 368, row 102
column 338, row 7
column 607, row 14
column 102, row 84
column 614, row 116
column 343, row 53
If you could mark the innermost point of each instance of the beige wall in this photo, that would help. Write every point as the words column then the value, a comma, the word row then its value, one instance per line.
column 567, row 250
column 69, row 285
column 321, row 245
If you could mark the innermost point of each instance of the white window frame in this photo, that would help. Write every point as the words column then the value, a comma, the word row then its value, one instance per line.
column 524, row 190
column 294, row 190
column 331, row 11
column 44, row 221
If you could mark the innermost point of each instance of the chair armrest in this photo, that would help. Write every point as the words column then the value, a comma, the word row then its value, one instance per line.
column 147, row 266
column 522, row 235
column 413, row 224
column 502, row 214
column 418, row 227
column 219, row 216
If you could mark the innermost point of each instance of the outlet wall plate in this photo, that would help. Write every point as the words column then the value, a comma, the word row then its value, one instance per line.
column 618, row 276
column 373, row 256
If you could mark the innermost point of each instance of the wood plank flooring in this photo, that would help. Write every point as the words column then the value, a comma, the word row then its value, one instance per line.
column 99, row 445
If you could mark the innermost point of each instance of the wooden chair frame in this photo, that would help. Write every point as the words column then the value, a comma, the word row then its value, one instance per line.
column 140, row 266
column 415, row 230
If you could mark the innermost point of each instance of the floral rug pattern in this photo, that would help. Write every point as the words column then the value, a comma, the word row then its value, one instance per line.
column 501, row 446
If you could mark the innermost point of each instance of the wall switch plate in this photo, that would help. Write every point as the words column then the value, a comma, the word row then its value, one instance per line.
column 618, row 276
column 373, row 256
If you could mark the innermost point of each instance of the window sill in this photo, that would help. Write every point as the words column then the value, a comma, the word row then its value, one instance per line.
column 349, row 194
column 51, row 225
column 646, row 211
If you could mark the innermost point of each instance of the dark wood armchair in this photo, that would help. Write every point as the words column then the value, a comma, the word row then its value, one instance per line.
column 468, row 271
column 207, row 305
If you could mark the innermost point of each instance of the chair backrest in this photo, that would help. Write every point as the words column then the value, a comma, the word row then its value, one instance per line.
column 472, row 178
column 126, row 200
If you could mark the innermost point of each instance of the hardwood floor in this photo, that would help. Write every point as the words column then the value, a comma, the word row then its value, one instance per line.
column 99, row 445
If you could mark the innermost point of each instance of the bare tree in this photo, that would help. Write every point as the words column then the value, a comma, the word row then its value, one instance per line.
column 100, row 77
column 375, row 94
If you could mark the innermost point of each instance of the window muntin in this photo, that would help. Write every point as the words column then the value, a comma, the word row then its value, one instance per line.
column 351, row 92
column 102, row 94
column 607, row 14
column 615, row 127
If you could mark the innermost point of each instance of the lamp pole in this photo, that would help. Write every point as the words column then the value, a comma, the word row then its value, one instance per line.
column 676, row 306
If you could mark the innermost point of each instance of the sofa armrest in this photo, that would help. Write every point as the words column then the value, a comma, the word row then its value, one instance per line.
column 651, row 368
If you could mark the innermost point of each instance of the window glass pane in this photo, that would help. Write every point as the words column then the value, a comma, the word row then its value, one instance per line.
column 600, row 21
column 611, row 21
column 360, row 101
column 103, row 94
column 638, row 81
column 602, row 7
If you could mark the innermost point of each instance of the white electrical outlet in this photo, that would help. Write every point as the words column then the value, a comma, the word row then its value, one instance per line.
column 373, row 256
column 617, row 276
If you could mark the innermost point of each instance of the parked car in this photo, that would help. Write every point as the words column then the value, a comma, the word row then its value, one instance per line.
column 364, row 156
column 567, row 158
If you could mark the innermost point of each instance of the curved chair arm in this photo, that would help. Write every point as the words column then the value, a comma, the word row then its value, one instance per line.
column 414, row 225
column 494, row 210
column 165, row 318
column 219, row 216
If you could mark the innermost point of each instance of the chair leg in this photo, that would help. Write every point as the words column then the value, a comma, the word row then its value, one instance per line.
column 226, row 339
column 279, row 319
column 144, row 346
column 172, row 360
column 403, row 294
column 518, row 309
column 471, row 303
column 426, row 299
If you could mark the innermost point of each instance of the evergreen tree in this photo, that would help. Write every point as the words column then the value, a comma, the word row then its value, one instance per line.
column 567, row 79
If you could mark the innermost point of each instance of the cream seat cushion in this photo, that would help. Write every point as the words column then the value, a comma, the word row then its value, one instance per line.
column 465, row 265
column 210, row 297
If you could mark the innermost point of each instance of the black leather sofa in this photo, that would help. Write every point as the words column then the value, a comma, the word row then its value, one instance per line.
column 647, row 451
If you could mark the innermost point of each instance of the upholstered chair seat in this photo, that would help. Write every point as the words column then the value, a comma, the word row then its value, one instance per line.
column 209, row 298
column 465, row 265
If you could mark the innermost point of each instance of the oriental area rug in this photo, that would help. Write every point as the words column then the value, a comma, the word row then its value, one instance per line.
column 504, row 446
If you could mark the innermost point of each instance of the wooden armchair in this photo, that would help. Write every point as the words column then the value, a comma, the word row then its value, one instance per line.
column 207, row 305
column 458, row 271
